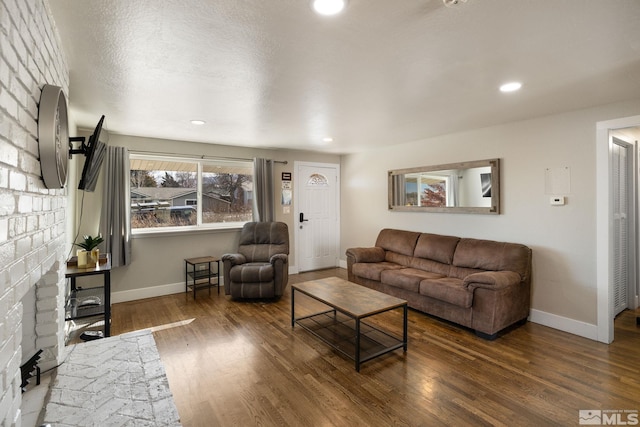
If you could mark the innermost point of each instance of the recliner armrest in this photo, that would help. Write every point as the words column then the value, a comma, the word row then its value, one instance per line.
column 375, row 254
column 492, row 279
column 276, row 257
column 234, row 259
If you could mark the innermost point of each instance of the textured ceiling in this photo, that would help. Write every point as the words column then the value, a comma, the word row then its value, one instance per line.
column 271, row 73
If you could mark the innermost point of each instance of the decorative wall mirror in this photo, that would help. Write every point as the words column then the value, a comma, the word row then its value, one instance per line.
column 466, row 187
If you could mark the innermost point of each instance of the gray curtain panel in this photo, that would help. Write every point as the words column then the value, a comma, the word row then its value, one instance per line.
column 263, row 195
column 115, row 224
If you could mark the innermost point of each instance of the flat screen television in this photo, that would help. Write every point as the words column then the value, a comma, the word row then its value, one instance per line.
column 94, row 153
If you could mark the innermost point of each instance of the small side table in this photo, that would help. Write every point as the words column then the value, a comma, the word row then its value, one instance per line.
column 73, row 307
column 199, row 269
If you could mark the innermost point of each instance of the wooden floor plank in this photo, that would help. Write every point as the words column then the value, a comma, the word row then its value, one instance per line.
column 233, row 363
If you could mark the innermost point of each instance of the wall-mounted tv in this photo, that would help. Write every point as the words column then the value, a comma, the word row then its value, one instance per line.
column 94, row 153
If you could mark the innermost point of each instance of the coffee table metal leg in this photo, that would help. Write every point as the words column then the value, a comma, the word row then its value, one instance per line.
column 404, row 333
column 293, row 308
column 358, row 345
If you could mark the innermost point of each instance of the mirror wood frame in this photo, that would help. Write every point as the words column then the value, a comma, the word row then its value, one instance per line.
column 494, row 209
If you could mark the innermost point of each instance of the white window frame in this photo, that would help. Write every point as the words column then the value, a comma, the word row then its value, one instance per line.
column 200, row 226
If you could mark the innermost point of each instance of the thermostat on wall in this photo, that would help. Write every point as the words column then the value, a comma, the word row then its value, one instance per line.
column 557, row 200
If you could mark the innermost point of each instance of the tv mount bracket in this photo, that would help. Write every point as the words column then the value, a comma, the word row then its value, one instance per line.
column 81, row 150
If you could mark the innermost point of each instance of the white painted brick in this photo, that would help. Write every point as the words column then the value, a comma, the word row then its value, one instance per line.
column 5, row 406
column 7, row 253
column 46, row 329
column 17, row 181
column 4, row 229
column 4, row 178
column 8, row 103
column 17, row 271
column 47, row 317
column 31, row 222
column 8, row 52
column 23, row 246
column 30, row 54
column 6, row 301
column 21, row 287
column 7, row 350
column 47, row 341
column 46, row 292
column 48, row 304
column 50, row 279
column 37, row 240
column 25, row 204
column 7, row 204
column 8, row 154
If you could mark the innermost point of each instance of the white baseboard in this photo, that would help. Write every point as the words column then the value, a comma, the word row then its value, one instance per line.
column 576, row 327
column 149, row 292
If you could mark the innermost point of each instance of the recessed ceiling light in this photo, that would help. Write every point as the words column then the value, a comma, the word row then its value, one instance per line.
column 328, row 7
column 510, row 87
column 327, row 139
column 197, row 122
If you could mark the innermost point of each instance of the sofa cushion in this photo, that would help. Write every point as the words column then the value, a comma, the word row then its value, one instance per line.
column 400, row 241
column 407, row 278
column 372, row 270
column 447, row 289
column 436, row 247
column 490, row 255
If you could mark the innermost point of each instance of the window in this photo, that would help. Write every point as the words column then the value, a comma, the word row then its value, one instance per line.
column 178, row 194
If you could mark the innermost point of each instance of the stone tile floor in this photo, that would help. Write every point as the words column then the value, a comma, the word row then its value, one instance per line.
column 116, row 381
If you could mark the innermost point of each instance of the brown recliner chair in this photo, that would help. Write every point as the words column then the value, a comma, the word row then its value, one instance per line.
column 260, row 269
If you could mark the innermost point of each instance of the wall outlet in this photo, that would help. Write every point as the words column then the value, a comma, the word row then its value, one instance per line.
column 557, row 200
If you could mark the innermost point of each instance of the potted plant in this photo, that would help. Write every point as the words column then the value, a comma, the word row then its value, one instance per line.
column 89, row 246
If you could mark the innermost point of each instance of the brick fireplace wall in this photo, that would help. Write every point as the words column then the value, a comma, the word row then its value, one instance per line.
column 32, row 218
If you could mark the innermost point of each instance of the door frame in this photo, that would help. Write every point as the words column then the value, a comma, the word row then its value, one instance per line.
column 604, row 219
column 296, row 214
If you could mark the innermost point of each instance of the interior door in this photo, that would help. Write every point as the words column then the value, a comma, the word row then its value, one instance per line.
column 317, row 215
column 623, row 229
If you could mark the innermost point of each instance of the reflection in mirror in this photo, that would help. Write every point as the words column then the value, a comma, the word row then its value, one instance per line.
column 467, row 187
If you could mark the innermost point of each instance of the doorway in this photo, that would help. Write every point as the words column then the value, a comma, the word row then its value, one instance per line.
column 623, row 205
column 317, row 215
column 605, row 240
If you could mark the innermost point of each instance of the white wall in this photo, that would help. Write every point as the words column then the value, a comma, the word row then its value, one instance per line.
column 563, row 238
column 32, row 218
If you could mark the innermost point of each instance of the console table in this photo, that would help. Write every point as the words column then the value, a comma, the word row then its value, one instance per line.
column 74, row 307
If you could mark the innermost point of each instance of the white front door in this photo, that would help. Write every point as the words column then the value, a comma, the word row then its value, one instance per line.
column 317, row 195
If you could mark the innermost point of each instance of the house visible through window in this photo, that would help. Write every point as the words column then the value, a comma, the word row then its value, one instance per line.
column 183, row 193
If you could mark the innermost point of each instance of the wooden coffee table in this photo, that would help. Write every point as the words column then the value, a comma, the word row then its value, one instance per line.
column 342, row 326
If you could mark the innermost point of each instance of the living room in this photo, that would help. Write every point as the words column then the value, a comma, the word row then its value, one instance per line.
column 37, row 225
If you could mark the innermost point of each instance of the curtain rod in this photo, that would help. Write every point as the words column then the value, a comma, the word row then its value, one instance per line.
column 202, row 156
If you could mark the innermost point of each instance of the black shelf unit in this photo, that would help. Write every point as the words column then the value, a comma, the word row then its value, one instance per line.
column 74, row 305
column 199, row 274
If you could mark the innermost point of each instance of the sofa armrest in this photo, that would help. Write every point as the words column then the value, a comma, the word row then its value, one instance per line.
column 492, row 279
column 374, row 254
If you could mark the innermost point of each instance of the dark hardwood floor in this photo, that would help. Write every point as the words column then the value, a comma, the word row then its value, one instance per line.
column 232, row 363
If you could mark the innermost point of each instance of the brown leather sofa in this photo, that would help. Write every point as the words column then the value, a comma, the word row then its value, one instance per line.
column 481, row 284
